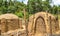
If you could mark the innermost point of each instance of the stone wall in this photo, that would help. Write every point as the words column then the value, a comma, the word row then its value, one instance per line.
column 3, row 25
column 10, row 24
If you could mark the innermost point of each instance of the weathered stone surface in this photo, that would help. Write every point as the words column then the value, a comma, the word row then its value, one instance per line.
column 9, row 22
column 17, row 32
column 47, row 18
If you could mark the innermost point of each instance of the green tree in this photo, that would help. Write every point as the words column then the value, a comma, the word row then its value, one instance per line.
column 38, row 5
column 11, row 6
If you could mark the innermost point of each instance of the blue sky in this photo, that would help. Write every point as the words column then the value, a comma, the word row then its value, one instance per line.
column 55, row 2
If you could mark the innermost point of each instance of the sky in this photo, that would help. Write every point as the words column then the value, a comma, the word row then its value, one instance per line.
column 25, row 1
column 55, row 2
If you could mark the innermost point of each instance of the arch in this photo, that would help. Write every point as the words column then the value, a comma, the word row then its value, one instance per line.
column 45, row 18
column 40, row 26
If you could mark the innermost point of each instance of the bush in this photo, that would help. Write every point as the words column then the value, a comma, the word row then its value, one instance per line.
column 19, row 14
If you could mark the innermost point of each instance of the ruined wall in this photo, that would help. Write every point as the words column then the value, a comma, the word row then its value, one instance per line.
column 3, row 25
column 9, row 22
column 50, row 23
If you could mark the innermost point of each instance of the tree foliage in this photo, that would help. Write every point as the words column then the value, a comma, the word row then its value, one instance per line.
column 11, row 6
column 34, row 6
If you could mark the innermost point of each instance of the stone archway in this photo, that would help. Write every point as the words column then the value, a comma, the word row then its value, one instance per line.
column 40, row 26
column 46, row 23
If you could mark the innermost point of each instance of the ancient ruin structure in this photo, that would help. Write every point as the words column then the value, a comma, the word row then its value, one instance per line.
column 39, row 23
column 42, row 22
column 9, row 22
